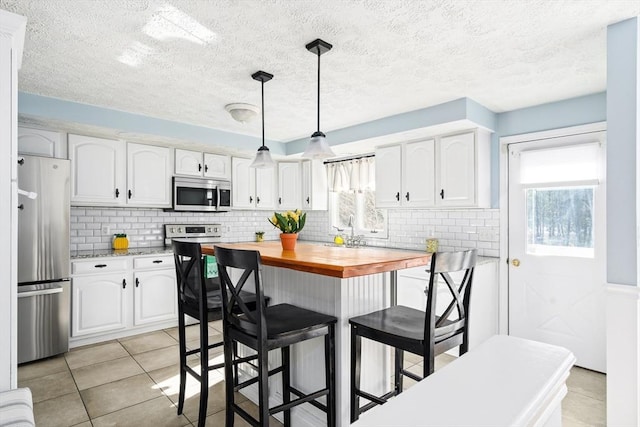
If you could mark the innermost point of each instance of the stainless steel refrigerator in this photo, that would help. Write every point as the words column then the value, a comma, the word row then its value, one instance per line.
column 43, row 257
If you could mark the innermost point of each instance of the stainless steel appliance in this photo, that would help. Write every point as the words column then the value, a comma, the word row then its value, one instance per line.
column 201, row 195
column 43, row 257
column 200, row 233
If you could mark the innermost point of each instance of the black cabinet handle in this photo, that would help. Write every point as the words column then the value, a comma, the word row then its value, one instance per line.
column 250, row 199
column 130, row 193
column 206, row 168
column 21, row 206
column 398, row 196
column 407, row 196
column 199, row 167
column 137, row 282
column 21, row 161
column 157, row 261
column 117, row 193
column 257, row 199
column 308, row 200
column 124, row 283
column 442, row 193
column 279, row 200
column 100, row 265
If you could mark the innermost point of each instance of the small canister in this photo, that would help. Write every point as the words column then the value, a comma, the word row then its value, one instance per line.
column 432, row 245
column 120, row 242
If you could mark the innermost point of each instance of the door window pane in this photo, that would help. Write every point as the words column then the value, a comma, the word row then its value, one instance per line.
column 560, row 221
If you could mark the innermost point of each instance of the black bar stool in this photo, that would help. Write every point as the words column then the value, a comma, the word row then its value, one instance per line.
column 268, row 328
column 201, row 299
column 424, row 333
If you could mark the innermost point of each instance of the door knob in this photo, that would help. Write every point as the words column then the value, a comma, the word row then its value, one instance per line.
column 516, row 262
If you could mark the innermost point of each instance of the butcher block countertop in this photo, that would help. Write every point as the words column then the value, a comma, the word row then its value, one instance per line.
column 331, row 260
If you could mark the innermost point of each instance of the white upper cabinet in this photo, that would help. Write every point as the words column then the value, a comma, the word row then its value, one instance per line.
column 404, row 175
column 289, row 188
column 217, row 166
column 188, row 162
column 462, row 170
column 38, row 142
column 196, row 163
column 252, row 188
column 148, row 175
column 107, row 172
column 97, row 171
column 314, row 185
column 449, row 171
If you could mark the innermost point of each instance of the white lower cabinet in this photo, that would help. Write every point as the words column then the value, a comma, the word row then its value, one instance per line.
column 120, row 296
column 483, row 308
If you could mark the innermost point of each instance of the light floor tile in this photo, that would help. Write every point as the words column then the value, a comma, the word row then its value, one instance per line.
column 120, row 394
column 192, row 332
column 67, row 410
column 589, row 383
column 156, row 359
column 579, row 408
column 147, row 342
column 218, row 419
column 89, row 355
column 50, row 386
column 158, row 412
column 42, row 368
column 105, row 372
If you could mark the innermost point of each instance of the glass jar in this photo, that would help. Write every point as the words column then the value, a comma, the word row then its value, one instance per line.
column 120, row 242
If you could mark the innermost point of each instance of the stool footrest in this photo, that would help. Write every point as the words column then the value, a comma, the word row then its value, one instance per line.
column 305, row 398
column 313, row 402
column 377, row 400
column 411, row 375
column 255, row 379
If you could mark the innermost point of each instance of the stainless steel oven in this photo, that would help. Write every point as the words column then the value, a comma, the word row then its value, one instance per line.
column 201, row 195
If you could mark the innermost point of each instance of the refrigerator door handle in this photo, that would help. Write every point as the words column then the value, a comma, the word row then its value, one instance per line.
column 40, row 292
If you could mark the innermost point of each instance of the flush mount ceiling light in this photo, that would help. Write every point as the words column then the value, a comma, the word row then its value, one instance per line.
column 263, row 157
column 242, row 113
column 318, row 147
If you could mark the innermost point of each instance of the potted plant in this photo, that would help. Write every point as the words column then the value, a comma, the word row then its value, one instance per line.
column 259, row 236
column 290, row 223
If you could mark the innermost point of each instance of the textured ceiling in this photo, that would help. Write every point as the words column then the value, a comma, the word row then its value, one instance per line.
column 185, row 60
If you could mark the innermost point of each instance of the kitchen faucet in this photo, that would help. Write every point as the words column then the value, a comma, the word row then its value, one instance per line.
column 351, row 225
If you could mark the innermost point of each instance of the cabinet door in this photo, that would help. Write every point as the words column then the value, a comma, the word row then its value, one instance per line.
column 38, row 142
column 148, row 175
column 242, row 183
column 99, row 303
column 456, row 172
column 289, row 187
column 217, row 166
column 154, row 296
column 388, row 176
column 418, row 174
column 266, row 188
column 97, row 171
column 188, row 162
column 314, row 185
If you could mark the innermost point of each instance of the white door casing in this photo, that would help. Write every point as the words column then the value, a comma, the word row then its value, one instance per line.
column 556, row 293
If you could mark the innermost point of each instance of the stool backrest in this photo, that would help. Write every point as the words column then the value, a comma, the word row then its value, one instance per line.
column 237, row 313
column 443, row 263
column 190, row 275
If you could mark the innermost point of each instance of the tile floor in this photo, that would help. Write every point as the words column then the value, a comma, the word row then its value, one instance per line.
column 134, row 382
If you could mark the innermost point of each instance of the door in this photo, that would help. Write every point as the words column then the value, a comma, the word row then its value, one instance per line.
column 557, row 244
column 243, row 183
column 217, row 166
column 188, row 162
column 418, row 174
column 289, row 195
column 38, row 142
column 148, row 175
column 266, row 188
column 456, row 170
column 388, row 176
column 99, row 303
column 97, row 170
column 154, row 296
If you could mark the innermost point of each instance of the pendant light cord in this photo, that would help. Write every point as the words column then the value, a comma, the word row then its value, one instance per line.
column 318, row 88
column 262, row 112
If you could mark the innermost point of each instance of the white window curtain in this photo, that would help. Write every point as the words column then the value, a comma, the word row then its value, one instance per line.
column 357, row 175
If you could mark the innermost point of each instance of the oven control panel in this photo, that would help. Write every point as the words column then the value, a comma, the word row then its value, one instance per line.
column 202, row 233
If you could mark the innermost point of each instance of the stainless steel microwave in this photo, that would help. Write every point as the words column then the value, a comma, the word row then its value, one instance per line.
column 201, row 194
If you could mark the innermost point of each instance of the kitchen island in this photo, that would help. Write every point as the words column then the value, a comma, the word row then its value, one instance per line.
column 343, row 282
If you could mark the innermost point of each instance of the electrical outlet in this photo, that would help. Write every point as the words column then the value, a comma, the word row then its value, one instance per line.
column 106, row 230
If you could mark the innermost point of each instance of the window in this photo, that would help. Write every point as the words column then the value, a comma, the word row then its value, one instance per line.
column 352, row 195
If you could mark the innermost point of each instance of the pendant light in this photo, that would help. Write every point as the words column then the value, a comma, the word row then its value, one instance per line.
column 318, row 147
column 263, row 156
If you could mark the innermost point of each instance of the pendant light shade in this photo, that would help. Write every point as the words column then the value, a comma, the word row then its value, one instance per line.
column 263, row 156
column 318, row 147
